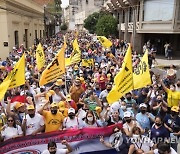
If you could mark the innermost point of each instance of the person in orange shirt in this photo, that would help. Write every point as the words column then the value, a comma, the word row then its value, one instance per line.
column 63, row 108
column 76, row 90
column 53, row 118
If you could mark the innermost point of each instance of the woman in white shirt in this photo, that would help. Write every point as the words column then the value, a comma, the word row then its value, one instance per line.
column 140, row 142
column 11, row 130
column 90, row 120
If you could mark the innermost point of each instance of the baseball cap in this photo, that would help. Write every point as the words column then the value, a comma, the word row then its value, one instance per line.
column 175, row 109
column 142, row 105
column 54, row 105
column 62, row 106
column 71, row 110
column 59, row 82
column 30, row 107
column 127, row 114
column 18, row 105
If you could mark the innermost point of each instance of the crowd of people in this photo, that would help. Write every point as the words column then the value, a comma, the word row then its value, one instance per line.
column 78, row 98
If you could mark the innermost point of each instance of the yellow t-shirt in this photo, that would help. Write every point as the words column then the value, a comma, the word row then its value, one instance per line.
column 173, row 98
column 53, row 122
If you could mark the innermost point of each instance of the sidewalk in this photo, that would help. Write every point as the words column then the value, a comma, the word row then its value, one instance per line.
column 162, row 62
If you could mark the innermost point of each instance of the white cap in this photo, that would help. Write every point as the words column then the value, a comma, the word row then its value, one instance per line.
column 71, row 110
column 142, row 105
column 127, row 114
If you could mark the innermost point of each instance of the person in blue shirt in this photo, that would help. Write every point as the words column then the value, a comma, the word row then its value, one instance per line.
column 158, row 131
column 124, row 108
column 144, row 118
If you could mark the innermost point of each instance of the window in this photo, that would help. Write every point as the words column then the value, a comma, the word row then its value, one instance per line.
column 40, row 34
column 16, row 38
column 36, row 34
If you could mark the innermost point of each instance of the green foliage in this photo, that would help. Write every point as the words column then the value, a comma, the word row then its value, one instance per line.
column 106, row 25
column 64, row 26
column 91, row 21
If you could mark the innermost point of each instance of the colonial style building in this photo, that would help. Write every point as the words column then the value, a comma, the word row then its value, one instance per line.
column 157, row 21
column 21, row 22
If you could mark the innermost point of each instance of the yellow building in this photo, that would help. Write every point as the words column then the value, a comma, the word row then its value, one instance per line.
column 21, row 22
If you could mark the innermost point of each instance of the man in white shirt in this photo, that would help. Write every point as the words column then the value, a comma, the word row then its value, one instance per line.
column 52, row 148
column 71, row 122
column 33, row 123
column 163, row 148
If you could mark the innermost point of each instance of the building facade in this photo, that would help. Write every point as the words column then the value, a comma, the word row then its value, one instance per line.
column 21, row 22
column 157, row 21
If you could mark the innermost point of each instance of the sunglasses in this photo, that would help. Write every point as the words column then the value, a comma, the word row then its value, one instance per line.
column 10, row 120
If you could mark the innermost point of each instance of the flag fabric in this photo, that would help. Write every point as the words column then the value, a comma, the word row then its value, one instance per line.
column 76, row 54
column 104, row 41
column 15, row 78
column 123, row 81
column 87, row 62
column 141, row 75
column 85, row 140
column 3, row 88
column 40, row 58
column 17, row 75
column 55, row 69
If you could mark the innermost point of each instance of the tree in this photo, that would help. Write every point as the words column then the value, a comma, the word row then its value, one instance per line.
column 91, row 21
column 106, row 25
column 64, row 26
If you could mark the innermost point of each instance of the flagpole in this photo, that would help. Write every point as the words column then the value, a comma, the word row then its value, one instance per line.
column 66, row 90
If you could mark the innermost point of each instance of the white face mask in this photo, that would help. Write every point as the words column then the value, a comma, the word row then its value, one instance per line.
column 90, row 119
column 123, row 107
column 135, row 136
column 105, row 104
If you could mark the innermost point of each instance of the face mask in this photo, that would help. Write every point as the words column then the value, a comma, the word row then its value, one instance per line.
column 178, row 85
column 31, row 115
column 105, row 104
column 54, row 111
column 128, row 98
column 108, row 90
column 123, row 107
column 53, row 152
column 90, row 119
column 135, row 136
column 158, row 124
column 143, row 111
column 71, row 116
column 97, row 88
column 128, row 120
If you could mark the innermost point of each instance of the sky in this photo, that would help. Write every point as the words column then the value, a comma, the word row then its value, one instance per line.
column 65, row 3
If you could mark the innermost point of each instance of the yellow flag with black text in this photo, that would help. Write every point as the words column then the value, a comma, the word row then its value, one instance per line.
column 40, row 58
column 15, row 78
column 55, row 69
column 123, row 81
column 104, row 41
column 17, row 75
column 76, row 54
column 141, row 75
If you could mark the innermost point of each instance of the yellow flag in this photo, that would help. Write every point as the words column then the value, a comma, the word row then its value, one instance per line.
column 55, row 69
column 76, row 54
column 141, row 75
column 3, row 88
column 15, row 78
column 104, row 41
column 123, row 81
column 40, row 58
column 87, row 62
column 17, row 75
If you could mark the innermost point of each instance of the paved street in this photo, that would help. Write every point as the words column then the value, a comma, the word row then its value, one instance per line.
column 163, row 64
